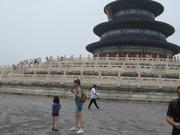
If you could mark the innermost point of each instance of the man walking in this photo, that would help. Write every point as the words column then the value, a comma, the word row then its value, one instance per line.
column 173, row 114
column 93, row 97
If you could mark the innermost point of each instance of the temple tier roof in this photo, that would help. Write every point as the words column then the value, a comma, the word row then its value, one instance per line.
column 148, row 5
column 135, row 42
column 162, row 27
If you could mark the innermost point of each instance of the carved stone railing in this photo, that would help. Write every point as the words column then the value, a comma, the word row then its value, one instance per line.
column 103, row 71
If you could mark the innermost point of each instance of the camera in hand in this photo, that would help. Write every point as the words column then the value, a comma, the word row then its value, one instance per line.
column 72, row 90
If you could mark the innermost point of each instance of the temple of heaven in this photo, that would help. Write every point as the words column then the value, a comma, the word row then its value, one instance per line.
column 132, row 30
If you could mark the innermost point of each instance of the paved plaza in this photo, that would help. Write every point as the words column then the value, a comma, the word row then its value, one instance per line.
column 31, row 115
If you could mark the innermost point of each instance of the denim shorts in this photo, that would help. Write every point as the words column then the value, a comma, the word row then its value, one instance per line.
column 79, row 107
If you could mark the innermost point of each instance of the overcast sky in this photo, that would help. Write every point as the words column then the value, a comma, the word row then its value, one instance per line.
column 39, row 28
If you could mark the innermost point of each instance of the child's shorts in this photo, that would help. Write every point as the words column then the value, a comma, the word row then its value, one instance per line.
column 55, row 113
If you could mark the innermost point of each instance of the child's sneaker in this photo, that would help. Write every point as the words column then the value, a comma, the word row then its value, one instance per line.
column 74, row 129
column 80, row 131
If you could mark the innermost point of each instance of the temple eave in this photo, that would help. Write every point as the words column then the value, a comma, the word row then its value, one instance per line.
column 165, row 28
column 152, row 6
column 174, row 48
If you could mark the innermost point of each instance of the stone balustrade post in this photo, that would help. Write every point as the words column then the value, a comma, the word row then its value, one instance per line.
column 48, row 74
column 160, row 81
column 137, row 56
column 119, row 79
column 81, row 75
column 34, row 75
column 107, row 55
column 22, row 77
column 157, row 56
column 100, row 77
column 139, row 80
column 64, row 77
column 127, row 56
column 117, row 55
column 123, row 65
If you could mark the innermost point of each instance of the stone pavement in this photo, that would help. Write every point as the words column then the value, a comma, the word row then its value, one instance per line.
column 31, row 115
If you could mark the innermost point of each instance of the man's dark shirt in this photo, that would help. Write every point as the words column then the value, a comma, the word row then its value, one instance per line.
column 174, row 112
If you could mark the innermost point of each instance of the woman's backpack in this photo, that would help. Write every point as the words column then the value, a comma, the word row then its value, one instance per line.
column 83, row 97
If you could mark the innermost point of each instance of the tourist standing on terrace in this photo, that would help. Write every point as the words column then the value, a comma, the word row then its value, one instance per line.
column 79, row 105
column 93, row 97
column 173, row 114
column 56, row 106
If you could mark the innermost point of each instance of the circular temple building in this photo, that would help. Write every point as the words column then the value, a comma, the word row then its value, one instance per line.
column 132, row 60
column 132, row 30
